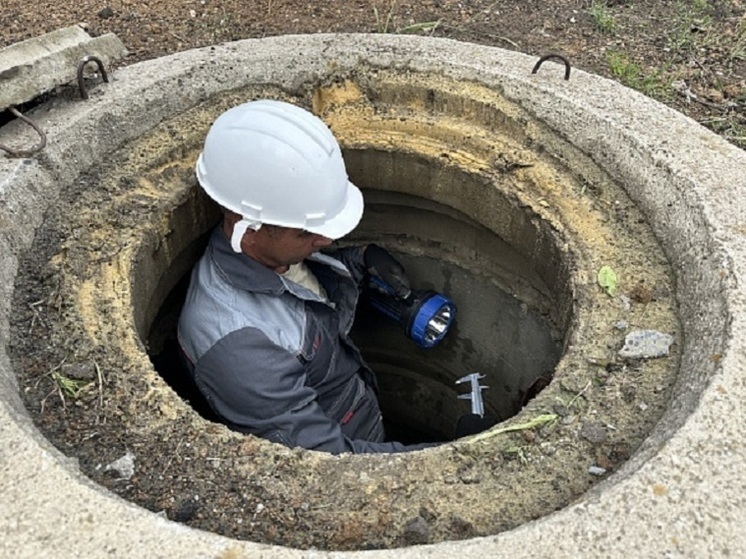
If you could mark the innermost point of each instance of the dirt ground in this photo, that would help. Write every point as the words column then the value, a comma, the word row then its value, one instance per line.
column 689, row 54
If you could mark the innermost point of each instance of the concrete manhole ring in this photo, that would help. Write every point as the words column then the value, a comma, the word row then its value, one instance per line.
column 122, row 234
column 126, row 238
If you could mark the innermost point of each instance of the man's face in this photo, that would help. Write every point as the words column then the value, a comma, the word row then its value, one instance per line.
column 280, row 247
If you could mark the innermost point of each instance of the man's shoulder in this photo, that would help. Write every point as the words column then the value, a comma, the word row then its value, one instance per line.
column 216, row 308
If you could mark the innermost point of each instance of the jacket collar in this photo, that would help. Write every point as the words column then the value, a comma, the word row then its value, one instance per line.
column 243, row 272
column 240, row 270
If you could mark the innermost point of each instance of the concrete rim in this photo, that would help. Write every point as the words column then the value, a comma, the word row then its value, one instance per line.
column 131, row 235
column 672, row 496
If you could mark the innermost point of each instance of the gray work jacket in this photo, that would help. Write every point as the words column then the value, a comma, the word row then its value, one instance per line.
column 274, row 359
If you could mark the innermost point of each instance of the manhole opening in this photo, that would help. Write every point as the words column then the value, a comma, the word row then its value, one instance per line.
column 521, row 225
column 513, row 342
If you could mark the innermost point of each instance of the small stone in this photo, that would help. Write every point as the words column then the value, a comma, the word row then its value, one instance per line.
column 715, row 95
column 646, row 344
column 621, row 325
column 593, row 432
column 106, row 13
column 470, row 476
column 596, row 471
column 603, row 461
column 629, row 393
column 79, row 371
column 124, row 466
column 417, row 531
column 185, row 511
column 561, row 410
column 641, row 293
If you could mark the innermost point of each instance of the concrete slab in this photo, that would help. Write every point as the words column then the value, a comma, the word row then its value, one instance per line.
column 39, row 64
column 680, row 495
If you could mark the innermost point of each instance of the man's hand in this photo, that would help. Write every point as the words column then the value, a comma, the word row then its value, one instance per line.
column 381, row 264
column 471, row 424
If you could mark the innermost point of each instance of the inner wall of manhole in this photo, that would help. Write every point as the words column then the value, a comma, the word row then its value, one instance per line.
column 480, row 201
column 514, row 346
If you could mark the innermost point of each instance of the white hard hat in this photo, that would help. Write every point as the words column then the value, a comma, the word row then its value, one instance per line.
column 276, row 163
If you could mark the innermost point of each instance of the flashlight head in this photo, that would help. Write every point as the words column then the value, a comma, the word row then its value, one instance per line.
column 431, row 317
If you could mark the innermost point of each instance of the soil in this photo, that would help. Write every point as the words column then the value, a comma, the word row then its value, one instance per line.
column 690, row 54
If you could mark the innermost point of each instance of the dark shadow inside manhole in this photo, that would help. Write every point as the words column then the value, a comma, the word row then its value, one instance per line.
column 496, row 334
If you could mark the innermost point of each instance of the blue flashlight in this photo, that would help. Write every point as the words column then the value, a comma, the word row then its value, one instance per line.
column 425, row 315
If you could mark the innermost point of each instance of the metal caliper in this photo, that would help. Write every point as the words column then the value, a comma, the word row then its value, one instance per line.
column 477, row 405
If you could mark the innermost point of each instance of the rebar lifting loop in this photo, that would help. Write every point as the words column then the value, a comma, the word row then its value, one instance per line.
column 553, row 55
column 81, row 66
column 26, row 152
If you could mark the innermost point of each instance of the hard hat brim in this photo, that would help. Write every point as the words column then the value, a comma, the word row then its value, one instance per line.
column 346, row 220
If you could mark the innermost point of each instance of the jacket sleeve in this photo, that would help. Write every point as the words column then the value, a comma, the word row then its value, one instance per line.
column 352, row 258
column 260, row 388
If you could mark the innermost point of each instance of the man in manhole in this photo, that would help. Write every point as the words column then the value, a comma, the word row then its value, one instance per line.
column 266, row 321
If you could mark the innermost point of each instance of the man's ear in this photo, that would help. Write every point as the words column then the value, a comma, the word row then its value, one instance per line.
column 229, row 220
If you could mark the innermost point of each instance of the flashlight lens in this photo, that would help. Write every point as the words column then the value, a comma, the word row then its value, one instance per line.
column 438, row 324
column 431, row 319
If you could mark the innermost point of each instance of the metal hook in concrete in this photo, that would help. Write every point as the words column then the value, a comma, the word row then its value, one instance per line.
column 553, row 55
column 26, row 152
column 81, row 66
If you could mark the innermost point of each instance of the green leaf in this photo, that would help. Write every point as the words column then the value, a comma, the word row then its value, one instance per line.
column 608, row 280
column 423, row 27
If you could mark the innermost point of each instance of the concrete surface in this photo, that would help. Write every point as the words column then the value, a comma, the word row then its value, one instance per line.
column 681, row 494
column 39, row 64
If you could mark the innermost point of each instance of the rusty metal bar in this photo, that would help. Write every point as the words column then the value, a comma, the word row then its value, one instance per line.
column 26, row 152
column 553, row 55
column 81, row 66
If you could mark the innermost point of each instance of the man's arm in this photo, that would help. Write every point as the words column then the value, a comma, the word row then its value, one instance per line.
column 352, row 258
column 260, row 388
column 375, row 261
